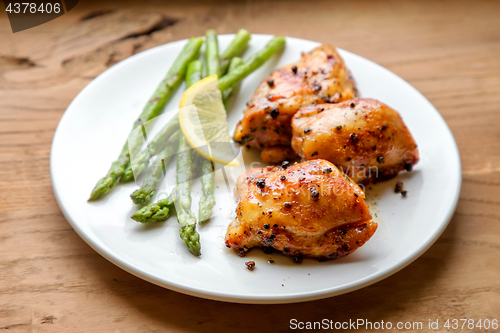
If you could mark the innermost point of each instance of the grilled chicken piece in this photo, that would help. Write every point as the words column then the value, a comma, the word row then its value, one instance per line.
column 319, row 77
column 309, row 209
column 363, row 137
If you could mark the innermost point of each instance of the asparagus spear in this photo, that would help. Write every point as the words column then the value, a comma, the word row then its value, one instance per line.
column 212, row 53
column 236, row 48
column 194, row 72
column 152, row 109
column 185, row 167
column 185, row 216
column 159, row 211
column 229, row 94
column 197, row 166
column 148, row 187
column 139, row 162
column 254, row 62
column 207, row 200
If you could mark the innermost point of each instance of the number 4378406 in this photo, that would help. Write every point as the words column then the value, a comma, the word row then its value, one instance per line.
column 31, row 7
column 471, row 324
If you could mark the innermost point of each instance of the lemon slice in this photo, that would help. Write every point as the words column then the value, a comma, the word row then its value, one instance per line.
column 205, row 125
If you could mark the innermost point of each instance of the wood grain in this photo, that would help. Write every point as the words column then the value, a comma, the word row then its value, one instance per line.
column 51, row 281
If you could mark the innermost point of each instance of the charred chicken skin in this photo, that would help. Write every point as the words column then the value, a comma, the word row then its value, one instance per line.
column 363, row 137
column 319, row 77
column 309, row 209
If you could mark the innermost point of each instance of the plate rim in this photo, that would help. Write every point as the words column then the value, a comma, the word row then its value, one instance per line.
column 109, row 254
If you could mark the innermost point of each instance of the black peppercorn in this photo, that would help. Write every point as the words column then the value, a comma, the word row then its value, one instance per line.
column 298, row 258
column 250, row 265
column 266, row 226
column 408, row 167
column 261, row 183
column 328, row 170
column 315, row 194
column 287, row 205
column 354, row 137
column 285, row 164
column 270, row 82
column 274, row 113
column 352, row 105
column 307, row 130
column 282, row 178
column 294, row 69
column 381, row 159
column 339, row 127
column 399, row 187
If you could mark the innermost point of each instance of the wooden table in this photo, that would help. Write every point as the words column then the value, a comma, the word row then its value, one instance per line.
column 51, row 281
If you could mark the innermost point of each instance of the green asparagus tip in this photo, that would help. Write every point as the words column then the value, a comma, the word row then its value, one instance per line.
column 154, row 212
column 191, row 237
column 141, row 196
column 243, row 32
column 204, row 220
column 101, row 188
column 143, row 217
column 251, row 64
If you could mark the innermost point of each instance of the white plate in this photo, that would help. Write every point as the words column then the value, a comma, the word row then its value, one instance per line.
column 96, row 124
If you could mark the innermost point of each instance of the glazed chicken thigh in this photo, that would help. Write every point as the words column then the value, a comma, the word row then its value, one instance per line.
column 309, row 209
column 363, row 137
column 319, row 77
